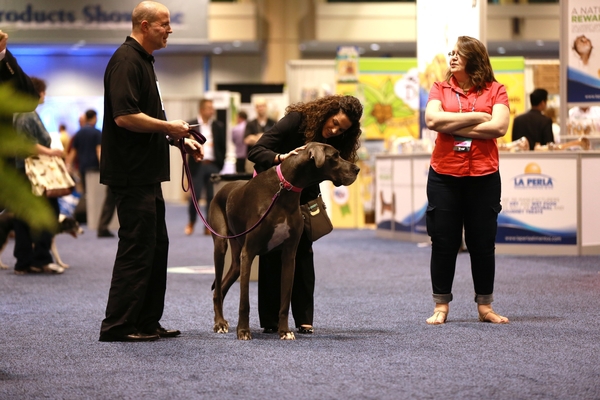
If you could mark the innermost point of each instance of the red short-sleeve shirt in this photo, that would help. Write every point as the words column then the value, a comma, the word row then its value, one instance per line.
column 482, row 159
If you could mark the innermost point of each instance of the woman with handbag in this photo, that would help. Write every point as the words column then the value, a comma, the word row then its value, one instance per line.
column 32, row 249
column 334, row 120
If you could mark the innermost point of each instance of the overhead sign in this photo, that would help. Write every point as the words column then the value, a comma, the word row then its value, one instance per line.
column 583, row 48
column 106, row 22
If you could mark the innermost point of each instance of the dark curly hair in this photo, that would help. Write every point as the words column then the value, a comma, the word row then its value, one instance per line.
column 477, row 62
column 316, row 112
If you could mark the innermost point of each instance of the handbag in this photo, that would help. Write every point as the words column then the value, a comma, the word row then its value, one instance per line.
column 48, row 176
column 316, row 221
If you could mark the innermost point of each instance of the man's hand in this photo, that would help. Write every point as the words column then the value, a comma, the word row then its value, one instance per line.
column 178, row 129
column 3, row 40
column 194, row 149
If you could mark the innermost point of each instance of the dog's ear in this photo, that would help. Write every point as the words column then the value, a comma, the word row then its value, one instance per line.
column 317, row 154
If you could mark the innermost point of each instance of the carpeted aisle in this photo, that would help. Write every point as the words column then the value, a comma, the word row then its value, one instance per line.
column 371, row 340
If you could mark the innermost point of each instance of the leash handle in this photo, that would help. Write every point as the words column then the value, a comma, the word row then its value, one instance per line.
column 190, row 188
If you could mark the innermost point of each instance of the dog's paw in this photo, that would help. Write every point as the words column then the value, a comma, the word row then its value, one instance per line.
column 244, row 334
column 287, row 336
column 221, row 327
column 3, row 266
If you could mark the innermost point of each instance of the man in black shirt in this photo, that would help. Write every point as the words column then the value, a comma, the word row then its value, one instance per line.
column 534, row 125
column 11, row 72
column 134, row 162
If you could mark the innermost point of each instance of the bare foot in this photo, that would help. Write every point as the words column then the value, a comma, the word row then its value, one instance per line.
column 487, row 314
column 440, row 313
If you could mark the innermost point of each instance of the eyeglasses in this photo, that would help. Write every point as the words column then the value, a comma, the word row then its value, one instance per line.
column 453, row 54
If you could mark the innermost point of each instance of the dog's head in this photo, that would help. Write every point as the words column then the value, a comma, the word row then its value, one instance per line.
column 69, row 225
column 329, row 165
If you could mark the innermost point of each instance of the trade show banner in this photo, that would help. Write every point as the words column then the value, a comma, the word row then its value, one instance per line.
column 102, row 22
column 385, row 202
column 390, row 92
column 583, row 44
column 539, row 202
column 510, row 71
column 439, row 24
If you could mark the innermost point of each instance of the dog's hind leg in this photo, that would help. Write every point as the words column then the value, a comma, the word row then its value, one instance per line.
column 234, row 271
column 243, row 328
column 221, row 325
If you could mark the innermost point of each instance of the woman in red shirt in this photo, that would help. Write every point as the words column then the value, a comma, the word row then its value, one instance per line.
column 469, row 110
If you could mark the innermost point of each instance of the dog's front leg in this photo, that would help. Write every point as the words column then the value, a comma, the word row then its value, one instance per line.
column 288, row 264
column 2, row 265
column 243, row 328
column 54, row 251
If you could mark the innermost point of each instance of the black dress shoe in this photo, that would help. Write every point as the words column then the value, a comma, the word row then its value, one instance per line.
column 164, row 333
column 132, row 337
column 105, row 234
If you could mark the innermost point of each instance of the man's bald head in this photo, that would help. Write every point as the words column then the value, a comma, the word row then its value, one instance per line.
column 146, row 11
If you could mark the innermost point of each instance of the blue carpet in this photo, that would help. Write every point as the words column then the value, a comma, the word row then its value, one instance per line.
column 371, row 340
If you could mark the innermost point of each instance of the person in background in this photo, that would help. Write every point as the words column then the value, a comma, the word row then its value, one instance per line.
column 134, row 162
column 32, row 249
column 469, row 110
column 64, row 136
column 212, row 163
column 256, row 127
column 86, row 148
column 237, row 137
column 334, row 120
column 551, row 113
column 534, row 125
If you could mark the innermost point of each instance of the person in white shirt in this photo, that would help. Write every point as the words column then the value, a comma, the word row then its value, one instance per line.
column 212, row 163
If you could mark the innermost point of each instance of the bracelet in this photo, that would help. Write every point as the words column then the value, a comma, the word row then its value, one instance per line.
column 279, row 158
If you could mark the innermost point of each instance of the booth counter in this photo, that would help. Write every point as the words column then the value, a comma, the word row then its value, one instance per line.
column 549, row 201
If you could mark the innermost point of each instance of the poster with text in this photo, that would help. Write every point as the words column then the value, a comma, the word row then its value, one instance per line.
column 583, row 45
column 539, row 201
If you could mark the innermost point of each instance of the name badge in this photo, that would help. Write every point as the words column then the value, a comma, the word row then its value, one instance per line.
column 462, row 144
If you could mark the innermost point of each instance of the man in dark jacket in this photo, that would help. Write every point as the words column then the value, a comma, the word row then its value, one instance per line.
column 11, row 72
column 534, row 125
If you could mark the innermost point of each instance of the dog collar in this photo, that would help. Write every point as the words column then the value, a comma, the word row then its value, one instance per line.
column 285, row 184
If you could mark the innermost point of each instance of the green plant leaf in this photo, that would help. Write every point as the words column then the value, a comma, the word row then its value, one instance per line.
column 12, row 144
column 16, row 196
column 13, row 102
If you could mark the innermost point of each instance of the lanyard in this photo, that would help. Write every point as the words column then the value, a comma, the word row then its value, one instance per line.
column 460, row 110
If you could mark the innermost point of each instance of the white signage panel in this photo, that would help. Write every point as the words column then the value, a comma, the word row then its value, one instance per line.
column 539, row 201
column 105, row 22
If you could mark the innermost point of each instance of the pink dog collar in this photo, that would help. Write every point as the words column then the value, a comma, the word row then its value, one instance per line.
column 286, row 185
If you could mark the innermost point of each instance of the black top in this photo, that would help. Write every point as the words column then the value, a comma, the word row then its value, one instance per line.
column 85, row 141
column 131, row 87
column 535, row 126
column 283, row 137
column 11, row 72
column 254, row 127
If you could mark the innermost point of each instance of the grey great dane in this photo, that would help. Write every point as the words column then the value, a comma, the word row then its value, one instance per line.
column 239, row 205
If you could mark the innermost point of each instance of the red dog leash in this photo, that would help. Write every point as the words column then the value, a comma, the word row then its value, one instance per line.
column 284, row 184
